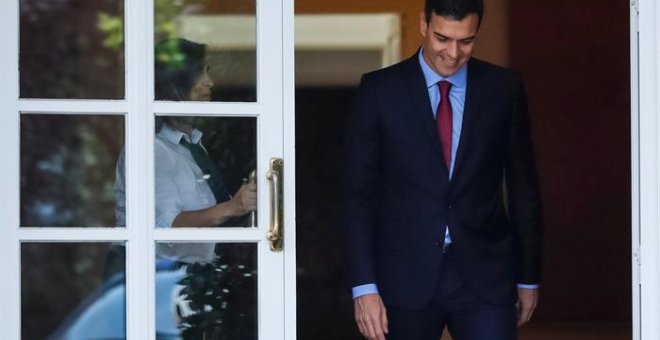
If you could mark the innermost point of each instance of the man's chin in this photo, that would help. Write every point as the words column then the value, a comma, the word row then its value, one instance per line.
column 448, row 72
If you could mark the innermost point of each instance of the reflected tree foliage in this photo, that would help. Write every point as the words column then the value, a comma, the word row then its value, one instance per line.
column 71, row 49
column 55, row 279
column 233, row 70
column 67, row 169
column 166, row 12
column 222, row 296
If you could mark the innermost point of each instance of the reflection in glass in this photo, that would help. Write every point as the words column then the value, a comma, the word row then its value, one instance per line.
column 68, row 292
column 72, row 49
column 67, row 169
column 206, row 298
column 202, row 179
column 193, row 187
column 226, row 29
column 205, row 179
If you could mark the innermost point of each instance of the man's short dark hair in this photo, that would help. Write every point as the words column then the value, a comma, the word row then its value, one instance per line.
column 454, row 9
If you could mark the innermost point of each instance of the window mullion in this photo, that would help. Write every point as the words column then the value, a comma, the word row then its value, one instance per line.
column 139, row 171
column 75, row 106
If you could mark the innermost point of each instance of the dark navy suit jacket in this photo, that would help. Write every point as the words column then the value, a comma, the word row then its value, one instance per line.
column 399, row 199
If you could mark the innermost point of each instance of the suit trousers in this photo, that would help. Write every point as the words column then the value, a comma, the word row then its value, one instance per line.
column 456, row 306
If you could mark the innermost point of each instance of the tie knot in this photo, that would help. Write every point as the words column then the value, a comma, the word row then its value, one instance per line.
column 444, row 87
column 186, row 143
column 192, row 147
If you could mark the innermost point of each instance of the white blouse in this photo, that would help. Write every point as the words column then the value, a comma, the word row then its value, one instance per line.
column 180, row 186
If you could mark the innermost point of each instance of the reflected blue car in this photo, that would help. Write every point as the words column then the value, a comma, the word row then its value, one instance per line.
column 102, row 316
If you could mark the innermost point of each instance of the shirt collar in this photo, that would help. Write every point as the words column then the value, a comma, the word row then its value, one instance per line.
column 174, row 136
column 458, row 79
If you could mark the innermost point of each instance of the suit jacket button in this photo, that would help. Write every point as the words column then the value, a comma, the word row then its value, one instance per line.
column 437, row 243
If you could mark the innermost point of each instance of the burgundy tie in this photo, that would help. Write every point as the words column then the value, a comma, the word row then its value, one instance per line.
column 443, row 119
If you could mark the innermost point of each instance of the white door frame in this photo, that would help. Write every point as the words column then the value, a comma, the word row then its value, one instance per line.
column 645, row 76
column 276, row 137
column 9, row 172
column 634, row 122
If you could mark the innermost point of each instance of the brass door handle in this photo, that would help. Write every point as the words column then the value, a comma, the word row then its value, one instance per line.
column 276, row 231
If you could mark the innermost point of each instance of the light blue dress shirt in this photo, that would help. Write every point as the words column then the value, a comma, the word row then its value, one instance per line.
column 457, row 92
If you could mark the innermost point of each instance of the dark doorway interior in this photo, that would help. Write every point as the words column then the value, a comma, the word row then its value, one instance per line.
column 324, row 305
column 574, row 58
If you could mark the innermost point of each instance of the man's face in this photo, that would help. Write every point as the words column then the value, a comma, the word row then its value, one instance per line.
column 448, row 43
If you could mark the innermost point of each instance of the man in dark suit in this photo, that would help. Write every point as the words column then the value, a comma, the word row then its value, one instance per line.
column 443, row 208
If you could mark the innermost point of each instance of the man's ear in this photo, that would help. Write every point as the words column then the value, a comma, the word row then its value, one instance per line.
column 423, row 25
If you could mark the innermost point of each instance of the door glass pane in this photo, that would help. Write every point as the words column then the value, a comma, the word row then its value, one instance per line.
column 73, row 291
column 68, row 170
column 205, row 50
column 204, row 170
column 72, row 49
column 206, row 291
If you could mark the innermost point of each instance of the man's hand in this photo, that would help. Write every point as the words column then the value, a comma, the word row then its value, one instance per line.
column 527, row 301
column 371, row 316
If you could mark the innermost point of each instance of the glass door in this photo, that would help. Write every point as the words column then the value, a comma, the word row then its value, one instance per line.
column 148, row 188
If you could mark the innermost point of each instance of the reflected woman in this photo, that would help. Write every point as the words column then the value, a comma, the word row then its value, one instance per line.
column 189, row 188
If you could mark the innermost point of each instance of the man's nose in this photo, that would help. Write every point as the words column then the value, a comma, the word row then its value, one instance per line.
column 452, row 50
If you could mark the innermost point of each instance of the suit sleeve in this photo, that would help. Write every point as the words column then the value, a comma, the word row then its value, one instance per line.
column 524, row 199
column 362, row 177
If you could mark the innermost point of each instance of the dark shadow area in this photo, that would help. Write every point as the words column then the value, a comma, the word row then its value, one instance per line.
column 325, row 308
column 575, row 59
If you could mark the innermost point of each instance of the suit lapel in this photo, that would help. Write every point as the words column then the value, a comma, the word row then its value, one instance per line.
column 422, row 108
column 474, row 94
